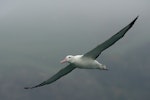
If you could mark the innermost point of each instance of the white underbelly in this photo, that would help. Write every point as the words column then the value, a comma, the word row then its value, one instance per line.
column 88, row 64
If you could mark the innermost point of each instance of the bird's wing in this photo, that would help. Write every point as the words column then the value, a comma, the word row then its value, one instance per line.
column 58, row 75
column 94, row 53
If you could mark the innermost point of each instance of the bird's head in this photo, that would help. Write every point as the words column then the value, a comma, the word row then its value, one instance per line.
column 68, row 59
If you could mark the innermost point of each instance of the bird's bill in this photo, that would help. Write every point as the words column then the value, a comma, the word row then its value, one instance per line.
column 63, row 61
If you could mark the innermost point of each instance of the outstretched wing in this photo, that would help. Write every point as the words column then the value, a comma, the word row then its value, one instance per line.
column 94, row 53
column 58, row 75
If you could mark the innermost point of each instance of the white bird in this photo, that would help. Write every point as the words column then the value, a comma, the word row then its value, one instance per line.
column 88, row 60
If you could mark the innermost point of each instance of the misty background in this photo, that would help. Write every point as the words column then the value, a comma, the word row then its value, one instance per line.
column 36, row 34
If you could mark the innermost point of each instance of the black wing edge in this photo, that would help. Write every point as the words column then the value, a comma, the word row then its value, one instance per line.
column 125, row 29
column 132, row 23
column 55, row 77
column 44, row 83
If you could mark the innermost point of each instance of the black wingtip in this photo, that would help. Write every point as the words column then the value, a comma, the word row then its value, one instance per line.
column 27, row 88
column 136, row 18
column 132, row 23
column 33, row 87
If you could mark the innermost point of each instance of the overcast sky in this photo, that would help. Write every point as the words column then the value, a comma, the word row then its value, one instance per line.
column 36, row 34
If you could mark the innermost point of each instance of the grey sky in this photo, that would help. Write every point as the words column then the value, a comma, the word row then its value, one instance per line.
column 36, row 34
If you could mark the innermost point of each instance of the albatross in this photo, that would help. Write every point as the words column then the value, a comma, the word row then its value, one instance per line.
column 88, row 60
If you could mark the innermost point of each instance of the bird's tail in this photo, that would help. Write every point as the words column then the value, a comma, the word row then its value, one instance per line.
column 104, row 67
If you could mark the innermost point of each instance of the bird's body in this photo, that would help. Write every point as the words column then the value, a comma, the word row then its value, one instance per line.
column 88, row 60
column 87, row 63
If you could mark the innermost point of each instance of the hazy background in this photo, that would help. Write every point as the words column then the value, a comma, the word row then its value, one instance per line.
column 36, row 34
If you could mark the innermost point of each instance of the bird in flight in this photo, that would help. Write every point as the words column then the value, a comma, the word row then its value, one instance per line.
column 88, row 60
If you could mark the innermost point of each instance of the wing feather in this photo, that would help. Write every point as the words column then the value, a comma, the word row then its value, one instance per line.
column 58, row 75
column 94, row 53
